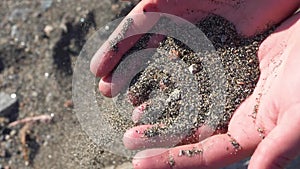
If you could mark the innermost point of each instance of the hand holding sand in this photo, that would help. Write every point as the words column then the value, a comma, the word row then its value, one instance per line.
column 271, row 105
column 267, row 123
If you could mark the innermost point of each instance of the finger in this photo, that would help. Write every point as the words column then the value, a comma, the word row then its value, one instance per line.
column 106, row 87
column 281, row 145
column 123, row 38
column 113, row 83
column 214, row 152
column 135, row 138
column 200, row 134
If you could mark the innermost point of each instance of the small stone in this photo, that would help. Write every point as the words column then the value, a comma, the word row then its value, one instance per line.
column 175, row 95
column 189, row 153
column 78, row 8
column 12, row 77
column 106, row 27
column 12, row 132
column 49, row 97
column 194, row 68
column 68, row 104
column 223, row 38
column 8, row 105
column 48, row 29
column 23, row 44
column 7, row 137
column 181, row 153
column 240, row 82
column 174, row 54
column 45, row 143
column 115, row 7
column 46, row 74
column 13, row 95
column 34, row 94
column 171, row 161
column 14, row 31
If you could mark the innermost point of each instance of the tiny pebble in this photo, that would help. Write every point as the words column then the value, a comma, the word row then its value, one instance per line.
column 12, row 132
column 68, row 104
column 7, row 137
column 48, row 29
column 193, row 68
column 46, row 74
column 34, row 94
column 13, row 95
column 223, row 38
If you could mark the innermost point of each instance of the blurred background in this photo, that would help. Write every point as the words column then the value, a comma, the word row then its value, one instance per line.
column 39, row 43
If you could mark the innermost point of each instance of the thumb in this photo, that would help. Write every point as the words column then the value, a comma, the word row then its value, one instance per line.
column 281, row 145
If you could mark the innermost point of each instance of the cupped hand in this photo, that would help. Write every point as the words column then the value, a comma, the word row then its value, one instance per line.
column 249, row 17
column 265, row 126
